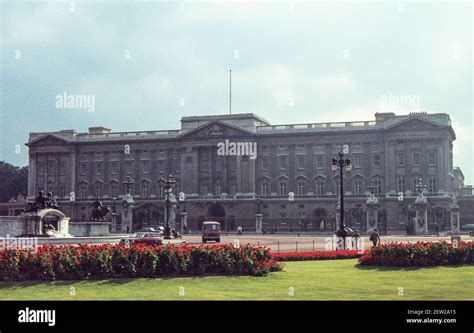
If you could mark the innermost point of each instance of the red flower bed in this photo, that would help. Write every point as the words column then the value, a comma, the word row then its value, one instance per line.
column 316, row 255
column 419, row 254
column 104, row 261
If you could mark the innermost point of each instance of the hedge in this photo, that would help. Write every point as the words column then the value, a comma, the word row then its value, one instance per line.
column 419, row 254
column 71, row 262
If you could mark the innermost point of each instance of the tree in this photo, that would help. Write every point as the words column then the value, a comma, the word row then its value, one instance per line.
column 13, row 181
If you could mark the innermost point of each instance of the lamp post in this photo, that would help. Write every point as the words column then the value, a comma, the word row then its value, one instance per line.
column 168, row 189
column 342, row 164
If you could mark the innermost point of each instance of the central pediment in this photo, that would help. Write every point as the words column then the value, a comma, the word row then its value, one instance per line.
column 215, row 129
column 48, row 140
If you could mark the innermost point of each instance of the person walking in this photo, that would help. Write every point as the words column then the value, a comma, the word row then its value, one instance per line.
column 239, row 230
column 374, row 237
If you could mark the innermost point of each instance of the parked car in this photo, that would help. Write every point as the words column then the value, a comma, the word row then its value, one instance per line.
column 468, row 227
column 211, row 231
column 159, row 230
column 149, row 238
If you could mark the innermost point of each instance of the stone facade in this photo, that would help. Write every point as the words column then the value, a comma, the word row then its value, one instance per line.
column 392, row 151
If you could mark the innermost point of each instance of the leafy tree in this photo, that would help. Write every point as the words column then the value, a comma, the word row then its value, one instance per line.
column 13, row 181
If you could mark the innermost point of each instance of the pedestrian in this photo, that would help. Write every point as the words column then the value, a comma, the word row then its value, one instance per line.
column 374, row 237
column 239, row 230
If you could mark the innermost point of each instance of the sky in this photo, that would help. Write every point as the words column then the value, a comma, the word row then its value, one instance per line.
column 147, row 64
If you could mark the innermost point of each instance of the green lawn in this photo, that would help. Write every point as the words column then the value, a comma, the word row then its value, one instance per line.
column 310, row 280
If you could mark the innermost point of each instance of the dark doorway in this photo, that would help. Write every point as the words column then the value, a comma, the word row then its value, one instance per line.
column 320, row 219
column 147, row 215
column 217, row 213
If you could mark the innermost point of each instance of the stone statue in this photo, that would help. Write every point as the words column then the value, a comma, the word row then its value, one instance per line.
column 99, row 211
column 42, row 202
column 39, row 203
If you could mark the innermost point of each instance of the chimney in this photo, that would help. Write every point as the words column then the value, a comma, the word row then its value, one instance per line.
column 99, row 130
column 380, row 116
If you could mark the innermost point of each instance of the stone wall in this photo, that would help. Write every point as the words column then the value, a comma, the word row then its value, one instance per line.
column 15, row 226
column 86, row 229
column 11, row 225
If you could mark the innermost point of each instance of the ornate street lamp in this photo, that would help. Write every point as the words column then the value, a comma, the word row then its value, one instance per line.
column 168, row 189
column 420, row 187
column 342, row 164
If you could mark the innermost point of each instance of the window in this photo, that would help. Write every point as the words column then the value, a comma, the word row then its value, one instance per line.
column 432, row 186
column 203, row 189
column 205, row 164
column 233, row 163
column 114, row 167
column 356, row 160
column 40, row 188
column 40, row 169
column 218, row 188
column 337, row 187
column 62, row 191
column 161, row 191
column 264, row 163
column 358, row 187
column 83, row 191
column 177, row 190
column 233, row 187
column 98, row 168
column 401, row 185
column 62, row 168
column 264, row 189
column 415, row 183
column 401, row 158
column 51, row 169
column 161, row 166
column 113, row 190
column 377, row 160
column 432, row 158
column 83, row 167
column 300, row 160
column 146, row 166
column 378, row 187
column 98, row 190
column 129, row 167
column 282, row 160
column 416, row 158
column 283, row 189
column 319, row 161
column 145, row 190
column 51, row 188
column 219, row 164
column 301, row 187
column 320, row 187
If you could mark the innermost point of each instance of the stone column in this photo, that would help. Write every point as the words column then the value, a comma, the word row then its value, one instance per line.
column 127, row 213
column 184, row 222
column 455, row 217
column 372, row 213
column 114, row 222
column 258, row 223
column 421, row 219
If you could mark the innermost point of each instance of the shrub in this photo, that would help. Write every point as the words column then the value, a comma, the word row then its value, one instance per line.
column 105, row 261
column 419, row 254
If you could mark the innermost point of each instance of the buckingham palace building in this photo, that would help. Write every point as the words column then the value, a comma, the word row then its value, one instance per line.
column 231, row 167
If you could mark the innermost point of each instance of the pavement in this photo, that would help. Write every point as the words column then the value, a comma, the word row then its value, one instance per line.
column 278, row 243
